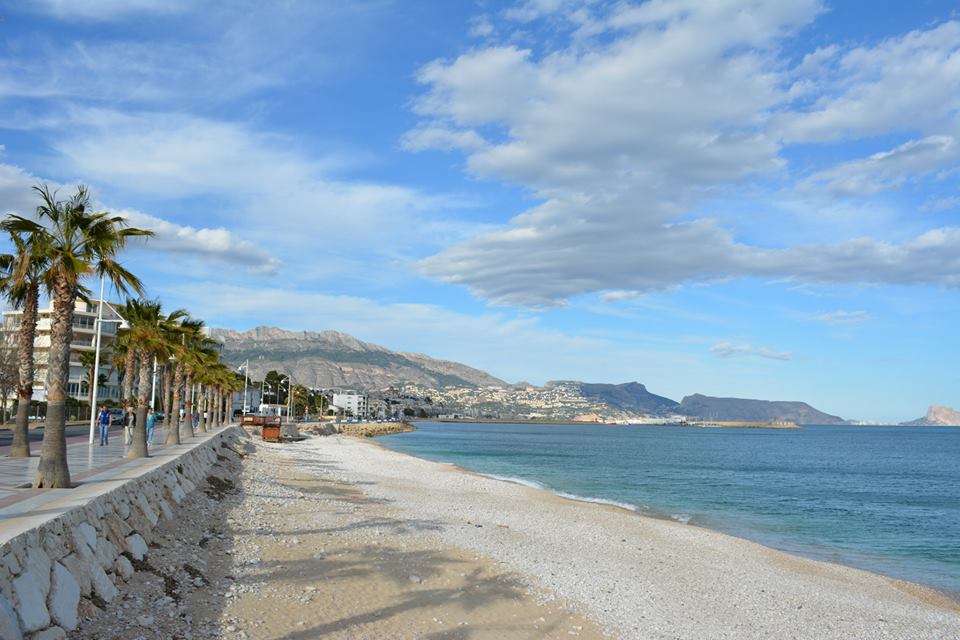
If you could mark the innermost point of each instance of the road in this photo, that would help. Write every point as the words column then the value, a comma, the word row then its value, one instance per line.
column 36, row 435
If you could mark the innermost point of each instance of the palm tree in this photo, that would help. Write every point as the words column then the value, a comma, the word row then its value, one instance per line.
column 25, row 270
column 149, row 333
column 80, row 243
column 182, row 341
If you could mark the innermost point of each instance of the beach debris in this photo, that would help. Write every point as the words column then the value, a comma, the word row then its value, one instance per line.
column 416, row 579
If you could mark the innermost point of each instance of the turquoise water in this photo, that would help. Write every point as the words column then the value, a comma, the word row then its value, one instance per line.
column 885, row 499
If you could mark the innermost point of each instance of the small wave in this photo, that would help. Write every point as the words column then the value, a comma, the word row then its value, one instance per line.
column 612, row 503
column 683, row 518
column 526, row 483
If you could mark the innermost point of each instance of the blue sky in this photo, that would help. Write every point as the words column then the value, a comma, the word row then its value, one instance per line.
column 736, row 197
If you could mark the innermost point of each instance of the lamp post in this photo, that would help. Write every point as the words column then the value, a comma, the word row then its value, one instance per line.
column 246, row 377
column 289, row 391
column 96, row 358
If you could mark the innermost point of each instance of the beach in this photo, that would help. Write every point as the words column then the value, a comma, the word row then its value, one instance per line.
column 339, row 537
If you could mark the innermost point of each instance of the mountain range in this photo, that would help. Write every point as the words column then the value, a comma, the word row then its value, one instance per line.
column 634, row 397
column 333, row 359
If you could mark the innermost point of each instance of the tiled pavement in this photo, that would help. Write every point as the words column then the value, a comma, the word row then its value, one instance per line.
column 83, row 459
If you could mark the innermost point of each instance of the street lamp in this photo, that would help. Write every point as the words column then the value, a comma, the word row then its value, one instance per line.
column 123, row 324
column 246, row 370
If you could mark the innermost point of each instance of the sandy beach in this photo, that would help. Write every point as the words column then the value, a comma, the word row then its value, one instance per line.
column 337, row 537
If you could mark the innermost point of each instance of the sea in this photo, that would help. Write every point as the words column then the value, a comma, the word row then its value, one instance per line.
column 881, row 498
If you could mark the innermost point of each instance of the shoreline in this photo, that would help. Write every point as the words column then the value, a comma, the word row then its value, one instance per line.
column 691, row 556
column 930, row 591
column 935, row 592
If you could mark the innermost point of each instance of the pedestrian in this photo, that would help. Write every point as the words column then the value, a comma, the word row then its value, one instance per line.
column 151, row 423
column 103, row 419
column 196, row 421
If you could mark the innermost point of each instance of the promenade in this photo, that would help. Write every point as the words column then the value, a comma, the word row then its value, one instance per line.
column 84, row 460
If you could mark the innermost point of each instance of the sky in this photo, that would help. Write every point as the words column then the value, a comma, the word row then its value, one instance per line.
column 729, row 197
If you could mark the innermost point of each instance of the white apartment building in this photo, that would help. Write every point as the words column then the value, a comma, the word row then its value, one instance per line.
column 350, row 402
column 84, row 334
column 253, row 399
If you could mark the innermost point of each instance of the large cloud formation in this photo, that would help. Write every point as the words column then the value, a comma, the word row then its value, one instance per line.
column 647, row 111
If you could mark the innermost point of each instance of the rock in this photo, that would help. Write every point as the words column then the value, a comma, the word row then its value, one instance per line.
column 64, row 597
column 87, row 609
column 39, row 564
column 124, row 568
column 416, row 579
column 106, row 553
column 102, row 585
column 137, row 546
column 165, row 510
column 80, row 573
column 30, row 605
column 89, row 534
column 9, row 624
column 144, row 621
column 53, row 633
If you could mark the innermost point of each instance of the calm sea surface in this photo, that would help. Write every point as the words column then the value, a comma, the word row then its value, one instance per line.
column 886, row 499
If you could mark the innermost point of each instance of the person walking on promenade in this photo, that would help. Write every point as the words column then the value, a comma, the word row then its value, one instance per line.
column 151, row 423
column 196, row 422
column 103, row 419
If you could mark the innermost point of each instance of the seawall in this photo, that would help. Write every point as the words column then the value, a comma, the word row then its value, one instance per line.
column 66, row 550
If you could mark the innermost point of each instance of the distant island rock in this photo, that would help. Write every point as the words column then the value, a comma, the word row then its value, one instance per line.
column 739, row 409
column 937, row 416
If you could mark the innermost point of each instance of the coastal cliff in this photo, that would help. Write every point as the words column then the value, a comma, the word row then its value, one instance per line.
column 937, row 416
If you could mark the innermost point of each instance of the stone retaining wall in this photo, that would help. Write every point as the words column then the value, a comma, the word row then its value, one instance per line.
column 51, row 573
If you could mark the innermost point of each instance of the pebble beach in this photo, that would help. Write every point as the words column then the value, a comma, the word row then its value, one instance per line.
column 339, row 537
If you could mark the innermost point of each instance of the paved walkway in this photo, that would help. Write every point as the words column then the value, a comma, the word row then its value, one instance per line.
column 25, row 509
column 84, row 460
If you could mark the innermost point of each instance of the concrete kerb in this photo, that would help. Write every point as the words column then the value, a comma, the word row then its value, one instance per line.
column 66, row 545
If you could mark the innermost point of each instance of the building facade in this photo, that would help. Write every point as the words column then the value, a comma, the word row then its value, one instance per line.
column 350, row 403
column 84, row 336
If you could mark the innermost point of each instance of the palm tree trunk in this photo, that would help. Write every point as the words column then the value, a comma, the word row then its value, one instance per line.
column 173, row 416
column 52, row 470
column 204, row 402
column 167, row 401
column 20, row 448
column 188, row 393
column 129, row 372
column 138, row 448
column 219, row 414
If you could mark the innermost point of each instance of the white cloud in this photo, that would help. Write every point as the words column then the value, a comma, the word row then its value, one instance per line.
column 942, row 204
column 219, row 244
column 617, row 296
column 735, row 350
column 842, row 317
column 889, row 169
column 623, row 136
column 441, row 138
column 480, row 27
column 105, row 9
column 902, row 84
column 17, row 196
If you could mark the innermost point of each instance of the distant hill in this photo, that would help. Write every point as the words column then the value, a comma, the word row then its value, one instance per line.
column 334, row 359
column 630, row 396
column 738, row 409
column 937, row 416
